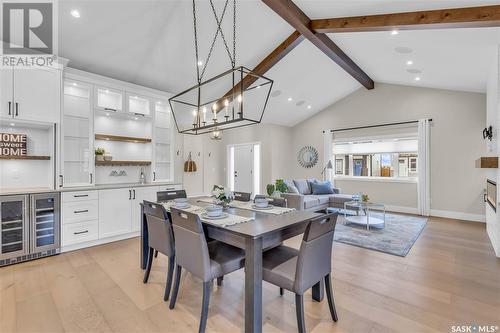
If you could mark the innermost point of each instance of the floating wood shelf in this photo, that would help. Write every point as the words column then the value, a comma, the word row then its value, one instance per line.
column 113, row 163
column 121, row 138
column 25, row 157
column 487, row 162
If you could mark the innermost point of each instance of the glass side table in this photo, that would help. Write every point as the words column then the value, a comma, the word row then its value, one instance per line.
column 365, row 208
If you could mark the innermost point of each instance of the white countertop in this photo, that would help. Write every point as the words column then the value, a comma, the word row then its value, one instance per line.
column 36, row 190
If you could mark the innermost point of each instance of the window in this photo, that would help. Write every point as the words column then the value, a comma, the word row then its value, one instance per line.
column 386, row 158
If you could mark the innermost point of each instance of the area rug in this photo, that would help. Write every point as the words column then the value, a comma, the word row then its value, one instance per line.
column 397, row 238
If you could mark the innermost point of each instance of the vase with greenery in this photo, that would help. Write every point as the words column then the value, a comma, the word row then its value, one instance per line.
column 222, row 196
column 270, row 188
column 281, row 186
column 99, row 154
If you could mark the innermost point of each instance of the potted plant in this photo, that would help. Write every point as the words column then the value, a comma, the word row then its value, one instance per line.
column 280, row 187
column 365, row 198
column 270, row 188
column 222, row 196
column 99, row 154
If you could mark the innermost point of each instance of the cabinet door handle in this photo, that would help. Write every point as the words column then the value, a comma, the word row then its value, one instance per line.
column 134, row 194
column 154, row 176
column 80, row 195
column 110, row 109
column 17, row 109
column 10, row 104
column 81, row 211
column 91, row 178
column 61, row 180
column 80, row 232
column 130, row 194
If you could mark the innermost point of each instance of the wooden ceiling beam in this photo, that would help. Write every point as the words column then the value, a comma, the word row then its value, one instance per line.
column 298, row 20
column 471, row 17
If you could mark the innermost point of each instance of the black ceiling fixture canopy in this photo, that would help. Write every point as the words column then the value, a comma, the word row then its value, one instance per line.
column 235, row 98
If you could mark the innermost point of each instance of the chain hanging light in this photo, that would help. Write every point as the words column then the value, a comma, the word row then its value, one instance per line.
column 235, row 98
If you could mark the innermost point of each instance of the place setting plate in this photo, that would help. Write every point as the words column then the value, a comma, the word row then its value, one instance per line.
column 269, row 207
column 221, row 216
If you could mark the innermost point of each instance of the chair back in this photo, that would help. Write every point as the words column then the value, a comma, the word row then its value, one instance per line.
column 170, row 195
column 190, row 244
column 241, row 196
column 315, row 254
column 278, row 202
column 160, row 233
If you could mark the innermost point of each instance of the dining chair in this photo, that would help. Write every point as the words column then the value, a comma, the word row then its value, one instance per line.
column 299, row 270
column 160, row 239
column 278, row 202
column 170, row 195
column 206, row 261
column 241, row 196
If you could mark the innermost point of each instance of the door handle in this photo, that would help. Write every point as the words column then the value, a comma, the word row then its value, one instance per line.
column 130, row 194
column 17, row 109
column 10, row 104
column 134, row 194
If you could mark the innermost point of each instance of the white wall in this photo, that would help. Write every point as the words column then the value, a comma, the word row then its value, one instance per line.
column 456, row 142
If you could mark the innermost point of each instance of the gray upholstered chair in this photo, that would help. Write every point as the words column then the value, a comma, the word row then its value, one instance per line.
column 205, row 261
column 170, row 195
column 161, row 239
column 299, row 270
column 278, row 202
column 241, row 196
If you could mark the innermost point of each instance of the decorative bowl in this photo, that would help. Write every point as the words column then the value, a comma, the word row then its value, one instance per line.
column 261, row 202
column 181, row 202
column 108, row 157
column 213, row 210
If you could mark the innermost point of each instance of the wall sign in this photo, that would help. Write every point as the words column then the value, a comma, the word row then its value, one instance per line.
column 12, row 144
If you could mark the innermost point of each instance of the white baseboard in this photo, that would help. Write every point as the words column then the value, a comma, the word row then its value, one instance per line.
column 459, row 215
column 78, row 246
column 401, row 209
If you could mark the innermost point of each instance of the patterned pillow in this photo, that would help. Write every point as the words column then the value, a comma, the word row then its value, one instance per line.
column 302, row 186
column 291, row 187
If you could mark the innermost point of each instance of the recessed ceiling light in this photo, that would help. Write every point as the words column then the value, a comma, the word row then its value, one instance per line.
column 289, row 99
column 107, row 114
column 74, row 83
column 409, row 62
column 12, row 124
column 309, row 107
column 75, row 13
column 135, row 118
column 200, row 63
column 417, row 78
column 394, row 32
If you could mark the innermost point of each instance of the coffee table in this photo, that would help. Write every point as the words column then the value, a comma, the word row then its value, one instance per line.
column 365, row 219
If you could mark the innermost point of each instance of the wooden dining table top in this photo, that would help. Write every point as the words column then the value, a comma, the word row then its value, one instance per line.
column 263, row 223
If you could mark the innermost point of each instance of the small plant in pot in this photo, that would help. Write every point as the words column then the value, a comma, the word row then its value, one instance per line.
column 280, row 187
column 270, row 188
column 99, row 154
column 221, row 196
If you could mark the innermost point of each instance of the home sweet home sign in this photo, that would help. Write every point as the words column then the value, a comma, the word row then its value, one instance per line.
column 12, row 144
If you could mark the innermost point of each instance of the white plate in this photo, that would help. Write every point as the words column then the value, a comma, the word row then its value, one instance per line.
column 263, row 208
column 221, row 216
column 181, row 207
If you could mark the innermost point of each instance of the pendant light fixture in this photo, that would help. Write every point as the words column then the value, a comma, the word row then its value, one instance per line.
column 235, row 98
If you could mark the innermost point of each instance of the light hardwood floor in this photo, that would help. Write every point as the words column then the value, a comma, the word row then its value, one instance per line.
column 450, row 277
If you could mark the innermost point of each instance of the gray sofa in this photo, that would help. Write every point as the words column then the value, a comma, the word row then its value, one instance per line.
column 305, row 200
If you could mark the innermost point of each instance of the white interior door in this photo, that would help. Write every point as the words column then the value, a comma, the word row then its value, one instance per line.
column 243, row 168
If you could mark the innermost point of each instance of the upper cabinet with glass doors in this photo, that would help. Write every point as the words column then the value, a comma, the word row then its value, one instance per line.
column 107, row 99
column 138, row 105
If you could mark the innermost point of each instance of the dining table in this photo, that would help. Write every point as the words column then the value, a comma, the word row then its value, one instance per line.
column 263, row 232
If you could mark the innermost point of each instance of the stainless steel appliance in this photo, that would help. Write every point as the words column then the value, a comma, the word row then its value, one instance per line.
column 29, row 227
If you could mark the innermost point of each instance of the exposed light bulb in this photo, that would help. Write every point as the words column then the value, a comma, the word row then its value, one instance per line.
column 240, row 98
column 200, row 63
column 226, row 102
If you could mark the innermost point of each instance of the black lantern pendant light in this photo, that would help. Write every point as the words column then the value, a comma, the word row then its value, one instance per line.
column 234, row 98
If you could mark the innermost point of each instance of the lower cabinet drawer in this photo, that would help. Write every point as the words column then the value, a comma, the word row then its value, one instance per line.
column 80, row 232
column 79, row 211
column 172, row 187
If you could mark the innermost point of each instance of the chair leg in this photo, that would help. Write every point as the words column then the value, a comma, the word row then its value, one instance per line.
column 329, row 295
column 204, row 306
column 170, row 275
column 148, row 267
column 156, row 254
column 299, row 309
column 219, row 280
column 281, row 291
column 178, row 270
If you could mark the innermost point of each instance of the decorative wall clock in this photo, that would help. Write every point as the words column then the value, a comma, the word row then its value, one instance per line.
column 308, row 157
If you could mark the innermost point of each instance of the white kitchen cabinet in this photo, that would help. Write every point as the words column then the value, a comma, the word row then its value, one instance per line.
column 37, row 94
column 6, row 92
column 138, row 105
column 163, row 143
column 115, row 212
column 77, row 153
column 139, row 194
column 109, row 99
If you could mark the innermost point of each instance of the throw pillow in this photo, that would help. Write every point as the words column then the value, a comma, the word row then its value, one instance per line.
column 322, row 187
column 302, row 186
column 291, row 187
column 310, row 181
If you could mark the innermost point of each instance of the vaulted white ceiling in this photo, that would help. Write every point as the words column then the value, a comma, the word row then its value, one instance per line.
column 151, row 43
